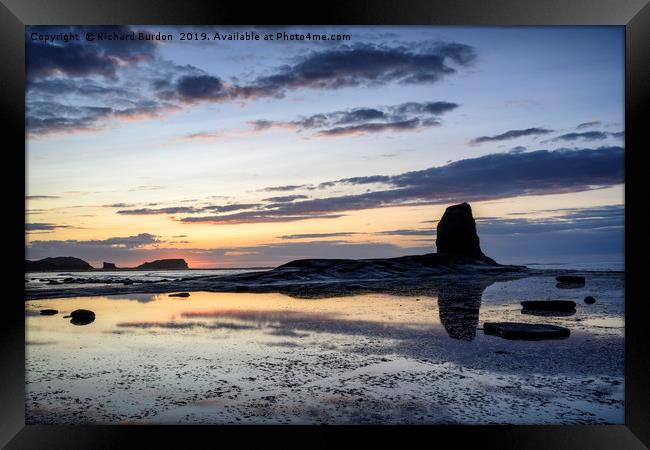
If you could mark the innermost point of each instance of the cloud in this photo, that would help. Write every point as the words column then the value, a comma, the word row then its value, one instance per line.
column 285, row 198
column 570, row 219
column 44, row 118
column 362, row 65
column 128, row 242
column 408, row 116
column 588, row 124
column 518, row 149
column 488, row 177
column 231, row 207
column 256, row 217
column 200, row 87
column 404, row 125
column 511, row 134
column 43, row 227
column 83, row 86
column 152, row 211
column 587, row 136
column 286, row 188
column 187, row 209
column 316, row 235
column 407, row 232
column 146, row 188
column 118, row 205
column 40, row 197
column 570, row 234
column 82, row 58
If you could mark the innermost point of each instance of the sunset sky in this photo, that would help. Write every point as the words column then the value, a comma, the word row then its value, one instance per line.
column 239, row 154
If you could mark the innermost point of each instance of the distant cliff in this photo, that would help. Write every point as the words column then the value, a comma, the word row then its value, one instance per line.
column 164, row 264
column 57, row 263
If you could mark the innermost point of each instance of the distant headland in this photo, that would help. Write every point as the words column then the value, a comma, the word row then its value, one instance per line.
column 69, row 263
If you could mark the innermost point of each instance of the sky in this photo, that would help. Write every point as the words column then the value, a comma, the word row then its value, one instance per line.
column 233, row 153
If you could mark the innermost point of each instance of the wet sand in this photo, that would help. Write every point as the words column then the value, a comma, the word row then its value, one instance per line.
column 267, row 358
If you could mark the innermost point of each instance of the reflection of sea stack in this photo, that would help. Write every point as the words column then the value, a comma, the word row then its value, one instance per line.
column 459, row 303
column 456, row 234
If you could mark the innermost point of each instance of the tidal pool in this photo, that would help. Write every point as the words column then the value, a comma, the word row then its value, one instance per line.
column 241, row 358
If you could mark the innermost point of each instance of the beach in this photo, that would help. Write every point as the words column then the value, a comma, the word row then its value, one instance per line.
column 270, row 358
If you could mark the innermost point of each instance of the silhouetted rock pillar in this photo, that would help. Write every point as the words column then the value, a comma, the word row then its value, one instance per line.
column 456, row 233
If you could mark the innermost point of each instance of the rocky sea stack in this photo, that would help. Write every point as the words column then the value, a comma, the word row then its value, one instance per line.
column 456, row 233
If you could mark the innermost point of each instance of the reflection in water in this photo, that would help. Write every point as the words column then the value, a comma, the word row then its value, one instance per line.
column 532, row 312
column 570, row 285
column 459, row 303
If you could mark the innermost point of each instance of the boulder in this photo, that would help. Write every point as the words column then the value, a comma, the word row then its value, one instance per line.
column 525, row 331
column 180, row 294
column 570, row 279
column 81, row 317
column 589, row 300
column 48, row 312
column 456, row 232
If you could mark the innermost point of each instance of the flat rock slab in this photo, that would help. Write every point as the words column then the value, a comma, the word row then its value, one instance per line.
column 525, row 331
column 570, row 279
column 549, row 305
column 180, row 294
column 48, row 312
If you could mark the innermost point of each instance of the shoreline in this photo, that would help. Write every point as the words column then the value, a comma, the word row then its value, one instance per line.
column 304, row 288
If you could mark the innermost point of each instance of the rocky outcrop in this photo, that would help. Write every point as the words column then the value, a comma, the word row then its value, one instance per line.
column 164, row 264
column 57, row 263
column 549, row 305
column 525, row 331
column 570, row 279
column 81, row 317
column 108, row 266
column 456, row 233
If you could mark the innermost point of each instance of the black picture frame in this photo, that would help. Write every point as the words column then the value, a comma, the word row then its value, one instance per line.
column 633, row 14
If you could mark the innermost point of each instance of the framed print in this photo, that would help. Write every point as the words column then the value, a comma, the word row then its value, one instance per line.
column 376, row 219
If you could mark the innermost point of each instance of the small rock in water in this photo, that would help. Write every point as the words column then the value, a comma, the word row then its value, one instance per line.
column 180, row 294
column 549, row 305
column 570, row 279
column 589, row 300
column 48, row 312
column 525, row 331
column 81, row 317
